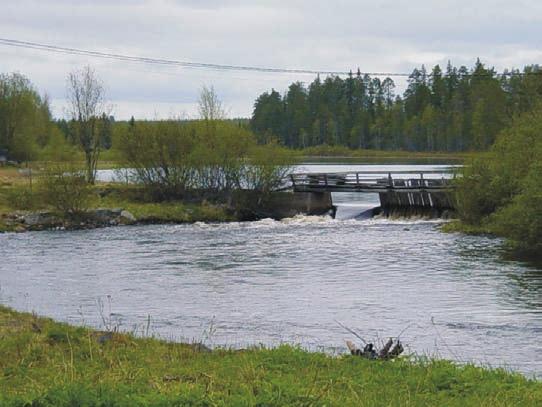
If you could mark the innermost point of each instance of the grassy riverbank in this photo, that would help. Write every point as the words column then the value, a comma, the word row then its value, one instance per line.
column 16, row 196
column 132, row 199
column 45, row 363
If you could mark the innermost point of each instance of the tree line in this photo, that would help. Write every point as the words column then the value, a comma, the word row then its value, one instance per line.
column 208, row 158
column 458, row 109
column 25, row 117
column 28, row 131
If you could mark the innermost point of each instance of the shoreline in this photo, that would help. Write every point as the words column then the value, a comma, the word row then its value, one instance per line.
column 51, row 363
column 18, row 222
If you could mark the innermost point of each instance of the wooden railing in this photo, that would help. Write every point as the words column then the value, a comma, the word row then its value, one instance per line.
column 370, row 181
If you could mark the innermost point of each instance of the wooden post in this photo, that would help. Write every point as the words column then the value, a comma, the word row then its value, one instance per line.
column 357, row 179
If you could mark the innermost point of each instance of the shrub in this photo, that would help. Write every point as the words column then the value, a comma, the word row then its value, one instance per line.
column 521, row 220
column 65, row 188
column 21, row 198
column 211, row 158
column 267, row 166
column 503, row 191
column 218, row 157
column 158, row 154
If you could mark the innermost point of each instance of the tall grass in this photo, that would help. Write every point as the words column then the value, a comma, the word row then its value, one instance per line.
column 45, row 363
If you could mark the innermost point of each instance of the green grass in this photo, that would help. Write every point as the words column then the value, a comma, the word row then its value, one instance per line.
column 170, row 212
column 17, row 197
column 45, row 363
column 133, row 199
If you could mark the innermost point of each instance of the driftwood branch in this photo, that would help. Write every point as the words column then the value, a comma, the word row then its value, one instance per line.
column 390, row 350
column 351, row 331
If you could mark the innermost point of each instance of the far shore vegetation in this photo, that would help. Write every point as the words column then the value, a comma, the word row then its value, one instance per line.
column 181, row 171
column 501, row 193
column 188, row 170
column 191, row 170
column 45, row 363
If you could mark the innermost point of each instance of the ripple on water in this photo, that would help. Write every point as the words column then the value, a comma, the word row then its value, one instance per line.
column 274, row 281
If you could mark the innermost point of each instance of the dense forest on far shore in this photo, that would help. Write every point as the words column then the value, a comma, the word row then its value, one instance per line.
column 459, row 109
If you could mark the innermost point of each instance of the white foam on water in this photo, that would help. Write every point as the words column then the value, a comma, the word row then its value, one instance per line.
column 307, row 220
column 312, row 220
column 415, row 220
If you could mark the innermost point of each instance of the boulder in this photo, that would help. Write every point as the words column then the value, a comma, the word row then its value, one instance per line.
column 44, row 219
column 117, row 211
column 127, row 217
column 102, row 214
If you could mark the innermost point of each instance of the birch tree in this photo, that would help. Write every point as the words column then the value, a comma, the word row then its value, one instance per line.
column 86, row 96
column 209, row 105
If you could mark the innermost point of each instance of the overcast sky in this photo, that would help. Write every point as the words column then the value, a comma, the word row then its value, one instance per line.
column 390, row 36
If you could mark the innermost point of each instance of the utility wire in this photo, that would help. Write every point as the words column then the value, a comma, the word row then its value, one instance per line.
column 204, row 65
column 161, row 61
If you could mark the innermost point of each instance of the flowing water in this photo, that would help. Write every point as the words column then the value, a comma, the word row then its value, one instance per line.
column 269, row 282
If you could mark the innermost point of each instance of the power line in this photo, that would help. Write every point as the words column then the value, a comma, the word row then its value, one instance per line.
column 162, row 61
column 204, row 65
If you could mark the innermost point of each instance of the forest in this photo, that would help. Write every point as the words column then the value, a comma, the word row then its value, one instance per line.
column 458, row 109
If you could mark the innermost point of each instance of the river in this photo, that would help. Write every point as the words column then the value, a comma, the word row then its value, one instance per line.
column 269, row 282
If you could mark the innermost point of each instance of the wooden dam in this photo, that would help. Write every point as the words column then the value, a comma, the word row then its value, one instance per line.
column 401, row 192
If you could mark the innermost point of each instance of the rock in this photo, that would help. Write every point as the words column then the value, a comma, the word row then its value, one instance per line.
column 102, row 214
column 127, row 217
column 43, row 220
column 105, row 216
column 39, row 219
column 116, row 211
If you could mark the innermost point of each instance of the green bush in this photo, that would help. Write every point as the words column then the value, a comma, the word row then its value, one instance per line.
column 64, row 187
column 58, row 148
column 158, row 153
column 21, row 198
column 267, row 166
column 502, row 191
column 521, row 220
column 213, row 158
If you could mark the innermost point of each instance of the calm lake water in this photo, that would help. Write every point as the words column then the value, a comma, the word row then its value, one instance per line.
column 270, row 282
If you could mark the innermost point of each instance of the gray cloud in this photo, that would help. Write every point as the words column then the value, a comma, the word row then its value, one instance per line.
column 339, row 35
